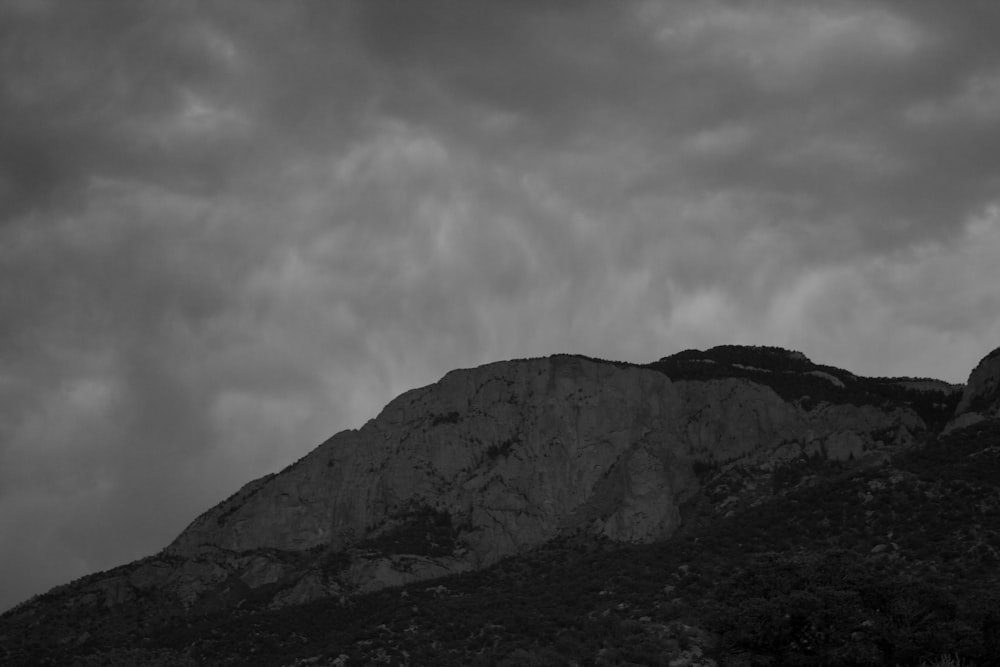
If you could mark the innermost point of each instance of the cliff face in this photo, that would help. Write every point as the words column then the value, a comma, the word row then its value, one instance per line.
column 982, row 391
column 981, row 395
column 517, row 453
column 513, row 452
column 496, row 460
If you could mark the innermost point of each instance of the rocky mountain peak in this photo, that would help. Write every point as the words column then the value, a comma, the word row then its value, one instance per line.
column 981, row 397
column 496, row 460
column 764, row 357
column 506, row 458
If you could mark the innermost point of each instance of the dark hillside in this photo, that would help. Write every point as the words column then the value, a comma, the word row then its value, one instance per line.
column 795, row 378
column 891, row 565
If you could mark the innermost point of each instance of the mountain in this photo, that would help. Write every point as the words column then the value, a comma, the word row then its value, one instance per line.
column 512, row 464
column 981, row 397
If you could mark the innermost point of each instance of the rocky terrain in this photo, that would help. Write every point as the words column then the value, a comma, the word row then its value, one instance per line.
column 498, row 464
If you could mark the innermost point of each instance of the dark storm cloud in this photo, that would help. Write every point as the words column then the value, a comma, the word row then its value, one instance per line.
column 76, row 77
column 549, row 62
column 229, row 229
column 174, row 93
column 820, row 102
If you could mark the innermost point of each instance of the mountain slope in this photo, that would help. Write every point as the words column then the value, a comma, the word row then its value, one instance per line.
column 889, row 565
column 499, row 460
column 880, row 566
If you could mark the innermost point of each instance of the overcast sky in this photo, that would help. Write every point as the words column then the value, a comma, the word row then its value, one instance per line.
column 229, row 230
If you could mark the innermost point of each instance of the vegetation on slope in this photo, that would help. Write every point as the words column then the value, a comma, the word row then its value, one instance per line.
column 845, row 565
column 795, row 378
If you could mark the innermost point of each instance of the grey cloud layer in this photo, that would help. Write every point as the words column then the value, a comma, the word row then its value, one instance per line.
column 230, row 229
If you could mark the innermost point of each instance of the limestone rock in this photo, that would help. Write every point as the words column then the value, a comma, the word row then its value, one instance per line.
column 982, row 392
column 518, row 453
column 496, row 460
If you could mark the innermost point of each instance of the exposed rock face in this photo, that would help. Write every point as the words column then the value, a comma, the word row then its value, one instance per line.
column 517, row 453
column 981, row 398
column 499, row 459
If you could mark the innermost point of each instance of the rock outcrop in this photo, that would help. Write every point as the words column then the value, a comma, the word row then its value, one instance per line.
column 981, row 397
column 517, row 453
column 982, row 391
column 499, row 459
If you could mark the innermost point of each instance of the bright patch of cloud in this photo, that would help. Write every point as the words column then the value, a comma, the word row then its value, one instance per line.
column 785, row 47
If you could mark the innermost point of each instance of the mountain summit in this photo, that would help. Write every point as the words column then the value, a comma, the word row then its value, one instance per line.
column 502, row 459
column 496, row 460
column 981, row 397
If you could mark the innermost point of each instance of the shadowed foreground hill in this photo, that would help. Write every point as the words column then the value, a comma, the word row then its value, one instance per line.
column 735, row 505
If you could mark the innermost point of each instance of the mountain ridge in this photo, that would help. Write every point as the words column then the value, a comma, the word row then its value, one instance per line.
column 498, row 460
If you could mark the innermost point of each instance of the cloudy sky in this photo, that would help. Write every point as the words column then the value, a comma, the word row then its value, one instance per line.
column 231, row 229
